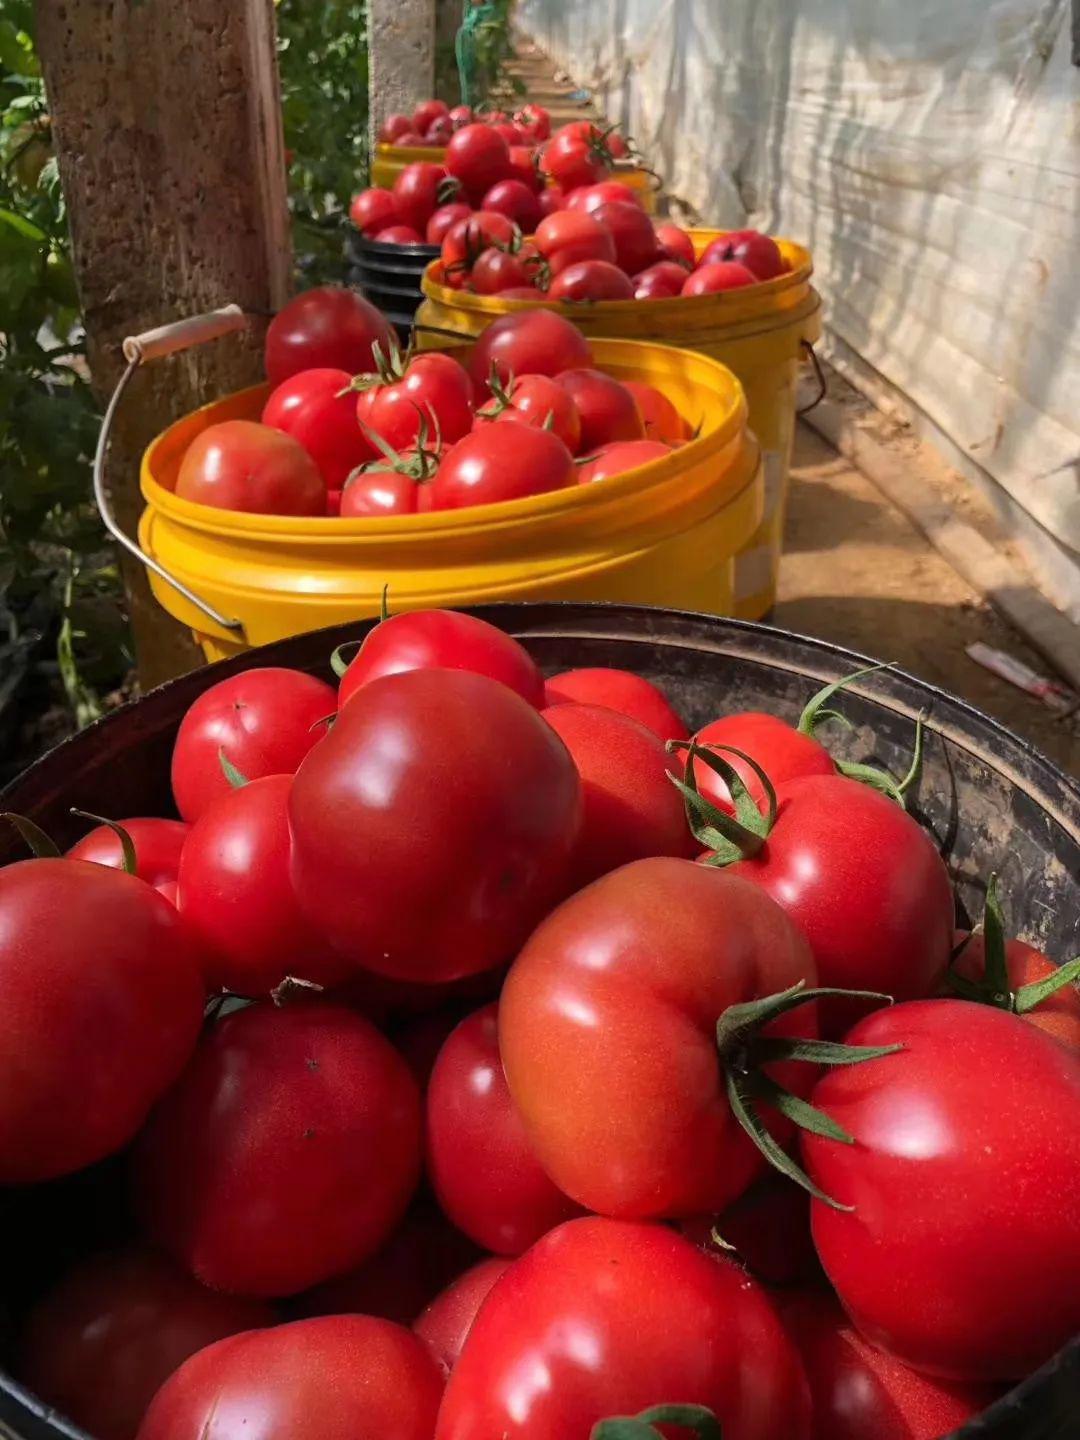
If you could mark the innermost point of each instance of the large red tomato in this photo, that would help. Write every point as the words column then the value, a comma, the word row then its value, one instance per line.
column 516, row 200
column 662, row 421
column 531, row 342
column 676, row 244
column 479, row 157
column 569, row 237
column 1058, row 1015
column 445, row 1324
column 574, row 159
column 497, row 271
column 620, row 690
column 317, row 408
column 590, row 280
column 536, row 400
column 662, row 280
column 444, row 219
column 380, row 490
column 393, row 127
column 443, row 640
column 491, row 466
column 782, row 751
column 241, row 465
column 636, row 245
column 759, row 253
column 608, row 1032
column 607, row 409
column 590, row 197
column 535, row 121
column 415, row 852
column 485, row 1175
column 429, row 388
column 717, row 276
column 286, row 1153
column 335, row 1378
column 158, row 844
column 373, row 210
column 264, row 721
column 569, row 1336
column 326, row 328
column 103, row 1000
column 426, row 114
column 621, row 456
column 419, row 190
column 967, row 1136
column 101, row 1343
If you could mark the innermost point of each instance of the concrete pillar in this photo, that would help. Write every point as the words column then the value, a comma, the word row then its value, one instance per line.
column 401, row 55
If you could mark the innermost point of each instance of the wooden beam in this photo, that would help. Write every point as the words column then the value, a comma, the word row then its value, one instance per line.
column 401, row 56
column 166, row 119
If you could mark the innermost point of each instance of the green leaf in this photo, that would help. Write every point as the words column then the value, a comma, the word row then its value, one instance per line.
column 43, row 847
column 24, row 227
column 127, row 845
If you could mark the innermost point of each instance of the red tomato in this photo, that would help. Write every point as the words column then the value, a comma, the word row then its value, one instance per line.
column 380, row 491
column 552, row 199
column 511, row 133
column 578, row 1310
column 517, row 201
column 523, row 168
column 492, row 466
column 101, row 1343
column 530, row 342
column 496, row 271
column 631, row 809
column 570, row 236
column 662, row 421
column 445, row 1324
column 265, row 720
column 535, row 121
column 399, row 235
column 479, row 157
column 460, row 116
column 240, row 465
column 157, row 850
column 419, row 190
column 318, row 409
column 607, row 1026
column 485, row 1176
column 720, row 275
column 393, row 127
column 334, row 1378
column 618, row 145
column 759, row 253
column 966, row 1133
column 103, row 1001
column 286, row 1153
column 662, row 281
column 768, row 1228
column 333, row 502
column 591, row 280
column 782, row 751
column 432, row 388
column 591, row 197
column 439, row 131
column 636, row 245
column 418, row 859
column 676, row 244
column 862, row 1393
column 1058, row 1014
column 443, row 640
column 621, row 456
column 327, row 328
column 466, row 241
column 444, row 219
column 523, row 292
column 619, row 690
column 573, row 160
column 539, row 401
column 373, row 210
column 607, row 408
column 427, row 112
column 410, row 140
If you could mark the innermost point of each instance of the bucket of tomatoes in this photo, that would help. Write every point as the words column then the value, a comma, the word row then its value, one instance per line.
column 411, row 1010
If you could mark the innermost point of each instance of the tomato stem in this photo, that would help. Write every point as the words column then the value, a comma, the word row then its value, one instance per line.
column 816, row 715
column 42, row 845
column 127, row 845
column 698, row 1418
column 730, row 838
column 236, row 778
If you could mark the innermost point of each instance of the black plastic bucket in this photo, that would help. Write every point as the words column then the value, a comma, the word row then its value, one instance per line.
column 991, row 801
column 389, row 276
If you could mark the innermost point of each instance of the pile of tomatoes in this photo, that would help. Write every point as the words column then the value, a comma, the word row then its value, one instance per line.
column 434, row 123
column 486, row 1058
column 355, row 428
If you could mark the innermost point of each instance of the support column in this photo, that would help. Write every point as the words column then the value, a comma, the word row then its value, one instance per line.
column 401, row 55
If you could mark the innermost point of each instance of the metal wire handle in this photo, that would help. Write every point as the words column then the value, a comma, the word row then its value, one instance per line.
column 152, row 345
column 823, row 384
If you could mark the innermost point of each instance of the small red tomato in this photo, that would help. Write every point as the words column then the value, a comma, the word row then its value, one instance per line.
column 720, row 275
column 636, row 246
column 1058, row 1015
column 492, row 466
column 399, row 235
column 410, row 140
column 618, row 145
column 662, row 281
column 523, row 167
column 157, row 850
column 511, row 133
column 529, row 342
column 393, row 127
column 264, row 720
column 444, row 219
column 621, row 456
column 661, row 420
column 540, row 401
column 466, row 241
column 496, row 271
column 479, row 157
column 517, row 201
column 607, row 409
column 485, row 1176
column 759, row 253
column 535, row 121
column 324, row 329
column 240, row 465
column 460, row 116
column 552, row 199
column 782, row 751
column 619, row 690
column 445, row 1324
column 570, row 236
column 439, row 132
column 317, row 408
column 419, row 190
column 373, row 210
column 589, row 280
column 591, row 197
column 575, row 159
column 676, row 244
column 429, row 389
column 427, row 112
column 380, row 491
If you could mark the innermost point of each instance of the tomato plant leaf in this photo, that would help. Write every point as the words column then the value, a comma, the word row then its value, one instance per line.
column 815, row 714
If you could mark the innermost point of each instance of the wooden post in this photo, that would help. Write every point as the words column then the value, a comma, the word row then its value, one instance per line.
column 401, row 56
column 166, row 119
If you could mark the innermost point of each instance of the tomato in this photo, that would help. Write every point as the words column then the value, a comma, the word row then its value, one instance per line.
column 768, row 1227
column 486, row 1178
column 676, row 244
column 103, row 1001
column 498, row 270
column 523, row 167
column 617, row 144
column 445, row 1324
column 523, row 292
column 591, row 280
column 631, row 809
column 579, row 1311
column 782, row 751
column 621, row 456
column 393, row 127
column 412, row 853
column 324, row 329
column 517, row 201
column 464, row 242
column 264, row 720
column 286, row 1153
column 409, row 140
column 444, row 219
column 759, row 253
column 591, row 197
column 607, row 1027
column 636, row 245
column 552, row 199
column 965, row 1136
column 460, row 116
column 573, row 160
column 373, row 210
column 720, row 275
column 530, row 342
column 333, row 1378
column 1058, row 1015
column 380, row 491
column 570, row 236
column 540, row 401
column 429, row 388
column 240, row 465
column 318, row 409
column 862, row 1393
column 439, row 131
column 399, row 235
column 619, row 690
column 427, row 112
column 443, row 640
column 662, row 421
column 607, row 408
column 479, row 157
column 492, row 466
column 419, row 190
column 662, row 281
column 535, row 121
column 104, row 1339
column 157, row 850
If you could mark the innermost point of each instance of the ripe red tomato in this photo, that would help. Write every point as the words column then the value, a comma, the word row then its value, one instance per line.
column 539, row 401
column 571, row 236
column 380, row 491
column 759, row 253
column 439, row 131
column 659, row 416
column 417, row 859
column 324, row 329
column 496, row 271
column 393, row 127
column 535, row 121
column 523, row 167
column 410, row 140
column 444, row 219
column 676, row 244
column 530, row 342
column 614, row 1002
column 636, row 245
column 479, row 157
column 717, row 276
column 492, row 466
column 589, row 280
column 523, row 292
column 433, row 388
column 419, row 190
column 443, row 640
column 333, row 1378
column 552, row 199
column 1058, row 1015
column 511, row 133
column 621, row 456
column 157, row 850
column 286, row 1153
column 619, row 690
column 661, row 281
column 399, row 235
column 578, row 1310
column 466, row 241
column 573, row 160
column 100, row 1344
column 591, row 197
column 103, row 1001
column 782, row 751
column 606, row 408
column 427, row 112
column 445, row 1324
column 318, row 409
column 968, row 1132
column 516, row 200
column 461, row 115
column 240, row 465
column 373, row 210
column 265, row 721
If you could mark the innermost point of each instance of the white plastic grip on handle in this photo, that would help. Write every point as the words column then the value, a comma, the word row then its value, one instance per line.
column 184, row 334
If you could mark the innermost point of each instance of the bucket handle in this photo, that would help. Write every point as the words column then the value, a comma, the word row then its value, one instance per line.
column 819, row 375
column 152, row 345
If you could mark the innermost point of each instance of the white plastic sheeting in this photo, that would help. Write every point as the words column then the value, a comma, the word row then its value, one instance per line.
column 927, row 151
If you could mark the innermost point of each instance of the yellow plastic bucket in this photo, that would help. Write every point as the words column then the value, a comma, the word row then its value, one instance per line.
column 665, row 534
column 761, row 333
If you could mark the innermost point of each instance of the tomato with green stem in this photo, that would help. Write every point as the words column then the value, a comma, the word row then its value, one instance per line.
column 405, row 391
column 492, row 466
column 619, row 457
column 157, row 844
column 317, row 409
column 535, row 400
column 419, row 190
column 373, row 210
column 531, row 342
column 479, row 157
